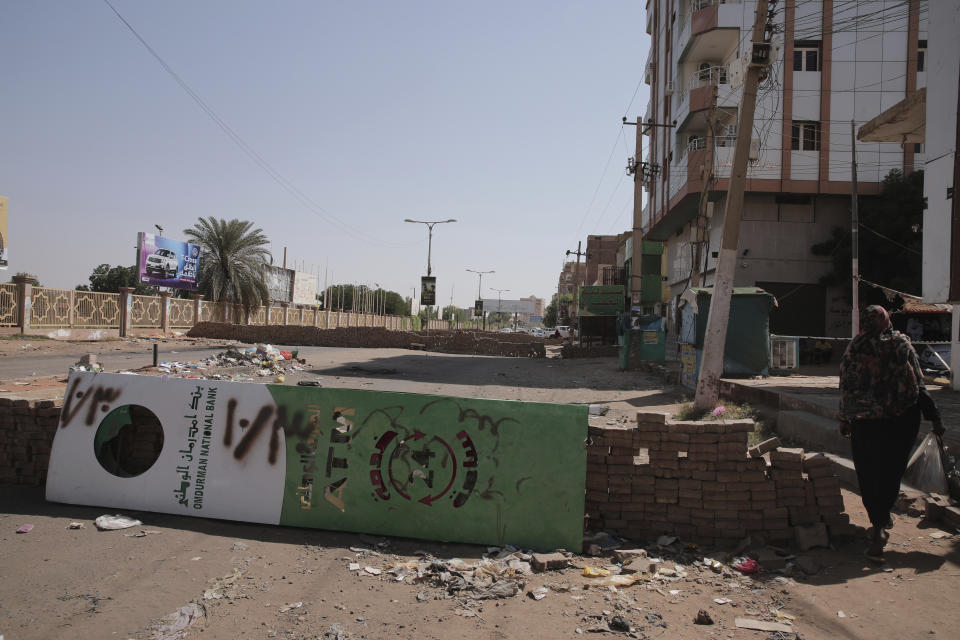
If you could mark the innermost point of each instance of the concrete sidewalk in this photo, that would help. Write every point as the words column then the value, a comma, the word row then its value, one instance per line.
column 808, row 404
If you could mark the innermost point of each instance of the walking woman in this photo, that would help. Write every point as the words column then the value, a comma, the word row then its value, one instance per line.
column 882, row 398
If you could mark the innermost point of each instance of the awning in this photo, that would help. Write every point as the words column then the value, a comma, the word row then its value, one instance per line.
column 904, row 122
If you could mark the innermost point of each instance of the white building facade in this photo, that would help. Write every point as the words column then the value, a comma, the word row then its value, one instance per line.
column 835, row 61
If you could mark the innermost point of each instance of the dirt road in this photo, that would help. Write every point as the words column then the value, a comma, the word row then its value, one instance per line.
column 256, row 581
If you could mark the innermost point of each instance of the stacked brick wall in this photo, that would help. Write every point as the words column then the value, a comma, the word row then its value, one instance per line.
column 26, row 435
column 696, row 480
column 469, row 342
column 27, row 428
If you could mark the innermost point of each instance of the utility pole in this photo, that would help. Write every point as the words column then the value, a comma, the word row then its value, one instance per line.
column 706, row 174
column 483, row 312
column 641, row 172
column 711, row 366
column 576, row 281
column 854, row 234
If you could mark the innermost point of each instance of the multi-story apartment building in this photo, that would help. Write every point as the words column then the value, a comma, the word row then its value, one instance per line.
column 835, row 61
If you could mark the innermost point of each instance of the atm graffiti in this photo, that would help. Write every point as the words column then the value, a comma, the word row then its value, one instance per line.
column 435, row 467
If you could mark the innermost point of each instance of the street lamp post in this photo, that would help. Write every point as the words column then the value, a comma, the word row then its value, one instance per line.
column 479, row 295
column 499, row 301
column 430, row 224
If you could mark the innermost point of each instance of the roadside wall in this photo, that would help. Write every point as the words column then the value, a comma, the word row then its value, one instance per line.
column 26, row 435
column 695, row 480
column 470, row 342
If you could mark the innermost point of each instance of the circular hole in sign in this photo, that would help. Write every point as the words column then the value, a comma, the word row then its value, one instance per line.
column 128, row 441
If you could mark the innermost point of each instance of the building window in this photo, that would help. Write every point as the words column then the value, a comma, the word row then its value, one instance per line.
column 918, row 147
column 806, row 55
column 921, row 56
column 805, row 136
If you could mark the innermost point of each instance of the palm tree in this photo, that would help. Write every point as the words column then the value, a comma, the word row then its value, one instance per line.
column 232, row 261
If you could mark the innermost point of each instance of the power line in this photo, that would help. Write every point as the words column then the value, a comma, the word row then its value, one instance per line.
column 249, row 151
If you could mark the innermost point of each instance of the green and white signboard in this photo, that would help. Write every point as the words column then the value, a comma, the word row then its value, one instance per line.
column 433, row 467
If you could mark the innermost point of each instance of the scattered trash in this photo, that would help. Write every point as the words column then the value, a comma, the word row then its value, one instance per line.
column 703, row 617
column 180, row 621
column 27, row 528
column 745, row 565
column 372, row 571
column 308, row 383
column 279, row 378
column 500, row 589
column 594, row 572
column 598, row 409
column 761, row 625
column 223, row 586
column 618, row 623
column 239, row 546
column 722, row 600
column 841, row 614
column 466, row 613
column 353, row 566
column 938, row 535
column 539, row 593
column 925, row 470
column 336, row 632
column 290, row 607
column 112, row 523
column 143, row 533
column 76, row 525
column 666, row 541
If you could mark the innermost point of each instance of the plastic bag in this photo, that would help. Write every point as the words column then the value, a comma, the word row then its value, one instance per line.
column 925, row 469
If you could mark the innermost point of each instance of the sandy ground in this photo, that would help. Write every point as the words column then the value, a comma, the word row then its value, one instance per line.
column 78, row 584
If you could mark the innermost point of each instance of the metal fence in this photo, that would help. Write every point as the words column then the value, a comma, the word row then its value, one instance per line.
column 66, row 308
column 9, row 305
column 145, row 312
column 181, row 313
column 95, row 310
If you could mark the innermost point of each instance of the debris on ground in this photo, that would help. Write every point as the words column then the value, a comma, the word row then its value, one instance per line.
column 112, row 523
column 76, row 525
column 703, row 617
column 27, row 528
column 180, row 622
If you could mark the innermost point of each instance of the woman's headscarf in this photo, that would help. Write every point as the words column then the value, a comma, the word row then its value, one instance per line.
column 880, row 373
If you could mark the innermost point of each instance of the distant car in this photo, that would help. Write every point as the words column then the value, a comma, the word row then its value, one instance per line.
column 506, row 330
column 564, row 330
column 162, row 263
column 538, row 332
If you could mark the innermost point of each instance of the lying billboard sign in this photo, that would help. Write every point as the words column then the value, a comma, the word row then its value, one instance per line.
column 421, row 466
column 165, row 262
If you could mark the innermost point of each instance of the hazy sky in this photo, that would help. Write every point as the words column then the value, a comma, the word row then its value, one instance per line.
column 502, row 115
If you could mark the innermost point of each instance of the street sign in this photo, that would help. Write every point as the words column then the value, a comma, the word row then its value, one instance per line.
column 478, row 309
column 428, row 290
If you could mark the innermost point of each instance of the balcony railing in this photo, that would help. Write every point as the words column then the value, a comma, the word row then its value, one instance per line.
column 709, row 77
column 613, row 275
column 697, row 5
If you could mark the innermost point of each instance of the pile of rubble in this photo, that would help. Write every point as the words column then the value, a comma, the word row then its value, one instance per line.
column 751, row 580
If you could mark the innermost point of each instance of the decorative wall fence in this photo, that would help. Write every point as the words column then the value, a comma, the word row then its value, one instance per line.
column 27, row 307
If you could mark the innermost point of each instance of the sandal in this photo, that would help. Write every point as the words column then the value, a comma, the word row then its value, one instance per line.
column 875, row 551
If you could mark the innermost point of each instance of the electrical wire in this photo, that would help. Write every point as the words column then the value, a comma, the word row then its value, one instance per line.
column 250, row 152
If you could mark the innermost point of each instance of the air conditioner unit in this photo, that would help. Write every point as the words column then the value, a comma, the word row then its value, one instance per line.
column 668, row 87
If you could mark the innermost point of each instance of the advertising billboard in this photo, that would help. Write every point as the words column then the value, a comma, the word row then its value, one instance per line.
column 602, row 300
column 165, row 262
column 492, row 305
column 4, row 239
column 304, row 288
column 428, row 290
column 403, row 464
column 478, row 309
column 279, row 283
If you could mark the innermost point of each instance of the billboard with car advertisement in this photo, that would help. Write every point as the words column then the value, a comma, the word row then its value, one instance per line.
column 165, row 262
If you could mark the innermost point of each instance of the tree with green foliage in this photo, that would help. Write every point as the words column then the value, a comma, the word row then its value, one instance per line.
column 454, row 313
column 891, row 241
column 388, row 302
column 550, row 318
column 108, row 279
column 232, row 260
column 34, row 281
